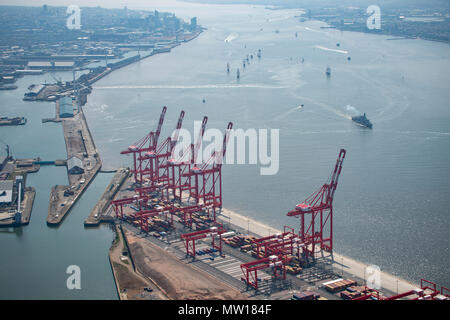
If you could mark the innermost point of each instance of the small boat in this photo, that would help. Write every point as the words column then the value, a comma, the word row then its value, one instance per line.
column 238, row 75
column 328, row 71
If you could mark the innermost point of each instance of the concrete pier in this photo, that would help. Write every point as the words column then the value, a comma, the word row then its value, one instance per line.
column 79, row 144
column 7, row 218
column 98, row 213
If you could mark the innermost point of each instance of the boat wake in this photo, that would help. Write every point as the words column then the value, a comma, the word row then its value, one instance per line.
column 332, row 50
column 326, row 107
column 231, row 37
column 283, row 115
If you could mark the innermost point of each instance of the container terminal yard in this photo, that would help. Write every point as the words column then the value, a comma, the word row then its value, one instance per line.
column 175, row 241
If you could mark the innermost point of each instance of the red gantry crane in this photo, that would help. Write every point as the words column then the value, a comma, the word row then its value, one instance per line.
column 207, row 178
column 316, row 214
column 179, row 167
column 157, row 168
column 283, row 243
column 148, row 143
column 277, row 264
column 190, row 238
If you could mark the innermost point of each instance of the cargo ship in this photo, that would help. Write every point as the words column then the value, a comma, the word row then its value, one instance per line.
column 5, row 121
column 362, row 120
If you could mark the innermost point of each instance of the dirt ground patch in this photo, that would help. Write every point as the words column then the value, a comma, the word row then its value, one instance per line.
column 127, row 279
column 178, row 279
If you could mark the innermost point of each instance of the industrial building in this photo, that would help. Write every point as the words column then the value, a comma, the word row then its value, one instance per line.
column 75, row 165
column 6, row 192
column 60, row 65
column 3, row 161
column 65, row 107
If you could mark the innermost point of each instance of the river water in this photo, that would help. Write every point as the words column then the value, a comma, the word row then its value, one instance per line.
column 391, row 206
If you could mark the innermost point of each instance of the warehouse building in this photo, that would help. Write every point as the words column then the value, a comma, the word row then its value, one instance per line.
column 6, row 192
column 75, row 165
column 65, row 107
column 51, row 65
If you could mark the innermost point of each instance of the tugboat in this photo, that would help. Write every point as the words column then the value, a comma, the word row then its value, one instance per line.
column 362, row 120
column 328, row 71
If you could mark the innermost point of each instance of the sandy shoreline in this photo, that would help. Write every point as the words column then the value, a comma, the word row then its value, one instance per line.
column 356, row 268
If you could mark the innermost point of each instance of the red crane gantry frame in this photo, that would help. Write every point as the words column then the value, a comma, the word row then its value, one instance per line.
column 156, row 166
column 178, row 180
column 148, row 143
column 206, row 185
column 190, row 238
column 278, row 244
column 319, row 203
column 250, row 269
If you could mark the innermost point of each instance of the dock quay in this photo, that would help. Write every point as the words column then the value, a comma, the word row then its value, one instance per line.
column 83, row 164
column 7, row 218
column 24, row 166
column 45, row 120
column 97, row 214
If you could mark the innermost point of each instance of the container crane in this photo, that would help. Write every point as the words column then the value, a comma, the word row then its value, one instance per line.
column 277, row 264
column 148, row 143
column 207, row 182
column 156, row 167
column 190, row 239
column 318, row 206
column 178, row 180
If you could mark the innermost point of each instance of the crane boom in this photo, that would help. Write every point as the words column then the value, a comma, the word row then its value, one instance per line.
column 158, row 129
column 335, row 177
column 176, row 134
column 196, row 147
